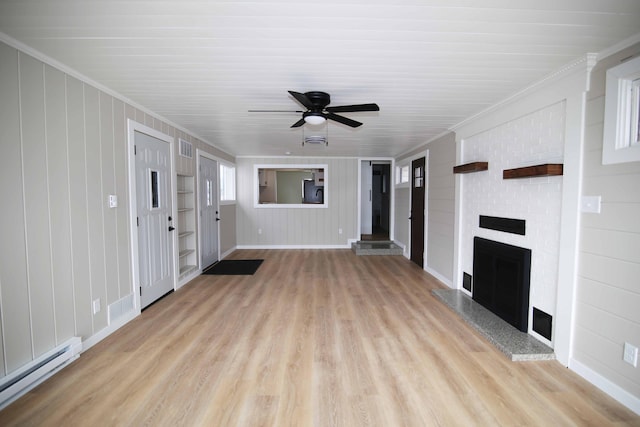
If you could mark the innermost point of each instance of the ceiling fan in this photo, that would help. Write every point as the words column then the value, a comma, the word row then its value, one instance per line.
column 318, row 111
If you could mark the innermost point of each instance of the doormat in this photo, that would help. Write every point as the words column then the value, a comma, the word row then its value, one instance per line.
column 234, row 267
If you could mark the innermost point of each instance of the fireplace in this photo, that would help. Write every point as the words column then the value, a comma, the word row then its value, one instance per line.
column 501, row 275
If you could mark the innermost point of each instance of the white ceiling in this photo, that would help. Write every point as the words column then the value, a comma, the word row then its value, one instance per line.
column 428, row 64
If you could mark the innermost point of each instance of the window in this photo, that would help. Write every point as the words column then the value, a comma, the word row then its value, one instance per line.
column 622, row 114
column 402, row 174
column 227, row 183
column 155, row 203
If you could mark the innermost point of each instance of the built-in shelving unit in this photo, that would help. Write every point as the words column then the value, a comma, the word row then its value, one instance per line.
column 548, row 169
column 471, row 167
column 187, row 256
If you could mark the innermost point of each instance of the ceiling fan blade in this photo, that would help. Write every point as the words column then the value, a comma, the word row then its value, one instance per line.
column 298, row 123
column 343, row 120
column 353, row 108
column 302, row 99
column 275, row 111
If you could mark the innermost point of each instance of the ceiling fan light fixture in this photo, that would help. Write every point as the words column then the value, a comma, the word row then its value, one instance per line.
column 314, row 118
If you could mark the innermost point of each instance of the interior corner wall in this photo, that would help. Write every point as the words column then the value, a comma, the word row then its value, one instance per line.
column 299, row 227
column 608, row 301
column 64, row 151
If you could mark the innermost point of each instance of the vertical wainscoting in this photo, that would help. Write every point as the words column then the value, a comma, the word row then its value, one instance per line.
column 298, row 227
column 63, row 152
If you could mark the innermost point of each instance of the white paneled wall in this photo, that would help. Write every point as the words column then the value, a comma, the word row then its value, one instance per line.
column 63, row 152
column 608, row 299
column 440, row 216
column 441, row 207
column 298, row 227
column 533, row 139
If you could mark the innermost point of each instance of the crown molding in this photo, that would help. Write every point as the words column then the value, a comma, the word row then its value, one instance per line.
column 581, row 66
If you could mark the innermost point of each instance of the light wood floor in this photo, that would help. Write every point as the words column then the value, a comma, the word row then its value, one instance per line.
column 320, row 338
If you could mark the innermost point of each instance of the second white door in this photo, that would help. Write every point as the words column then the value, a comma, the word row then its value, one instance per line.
column 209, row 211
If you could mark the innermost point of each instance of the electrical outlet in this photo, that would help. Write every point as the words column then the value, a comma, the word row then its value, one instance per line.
column 630, row 354
column 259, row 230
column 339, row 230
column 96, row 306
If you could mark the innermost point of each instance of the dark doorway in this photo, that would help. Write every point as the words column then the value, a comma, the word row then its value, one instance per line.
column 376, row 201
column 417, row 210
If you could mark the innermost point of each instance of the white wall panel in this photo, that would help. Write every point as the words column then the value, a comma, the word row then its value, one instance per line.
column 36, row 196
column 58, row 175
column 16, row 323
column 108, row 187
column 78, row 207
column 120, row 145
column 95, row 202
column 441, row 206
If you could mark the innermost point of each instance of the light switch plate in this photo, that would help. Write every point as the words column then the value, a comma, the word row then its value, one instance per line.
column 113, row 201
column 591, row 204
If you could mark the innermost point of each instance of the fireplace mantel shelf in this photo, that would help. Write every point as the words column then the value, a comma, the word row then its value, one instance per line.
column 471, row 167
column 548, row 169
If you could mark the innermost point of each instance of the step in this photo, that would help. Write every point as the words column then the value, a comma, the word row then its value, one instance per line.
column 376, row 248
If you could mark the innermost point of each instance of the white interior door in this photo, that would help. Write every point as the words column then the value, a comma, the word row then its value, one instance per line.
column 209, row 211
column 366, row 207
column 154, row 210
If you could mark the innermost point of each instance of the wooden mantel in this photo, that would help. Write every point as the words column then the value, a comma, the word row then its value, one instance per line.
column 548, row 169
column 471, row 167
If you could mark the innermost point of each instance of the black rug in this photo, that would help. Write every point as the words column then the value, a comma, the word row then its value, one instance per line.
column 234, row 267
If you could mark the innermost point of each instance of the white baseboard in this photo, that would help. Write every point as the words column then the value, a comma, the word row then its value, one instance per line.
column 102, row 334
column 439, row 276
column 618, row 393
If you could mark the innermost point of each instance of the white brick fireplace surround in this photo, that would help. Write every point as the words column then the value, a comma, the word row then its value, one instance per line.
column 536, row 138
column 544, row 123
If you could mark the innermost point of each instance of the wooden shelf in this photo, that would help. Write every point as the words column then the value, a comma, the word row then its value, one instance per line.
column 186, row 252
column 548, row 169
column 471, row 167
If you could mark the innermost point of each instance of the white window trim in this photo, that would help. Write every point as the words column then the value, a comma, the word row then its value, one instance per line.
column 617, row 146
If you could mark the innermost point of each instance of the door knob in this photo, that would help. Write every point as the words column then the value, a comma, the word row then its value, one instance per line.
column 171, row 228
column 217, row 219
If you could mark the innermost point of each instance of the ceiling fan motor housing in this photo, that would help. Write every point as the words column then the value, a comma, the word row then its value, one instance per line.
column 319, row 99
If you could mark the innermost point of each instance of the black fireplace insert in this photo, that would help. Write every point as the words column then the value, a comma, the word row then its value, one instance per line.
column 501, row 279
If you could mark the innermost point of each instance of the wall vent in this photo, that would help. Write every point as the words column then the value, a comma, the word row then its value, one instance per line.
column 186, row 148
column 120, row 308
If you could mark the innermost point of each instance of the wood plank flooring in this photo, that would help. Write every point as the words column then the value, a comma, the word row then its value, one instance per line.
column 314, row 338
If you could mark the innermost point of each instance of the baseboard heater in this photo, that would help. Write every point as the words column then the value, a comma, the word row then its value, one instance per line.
column 33, row 373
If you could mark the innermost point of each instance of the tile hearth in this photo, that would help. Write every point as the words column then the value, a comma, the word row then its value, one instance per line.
column 518, row 346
